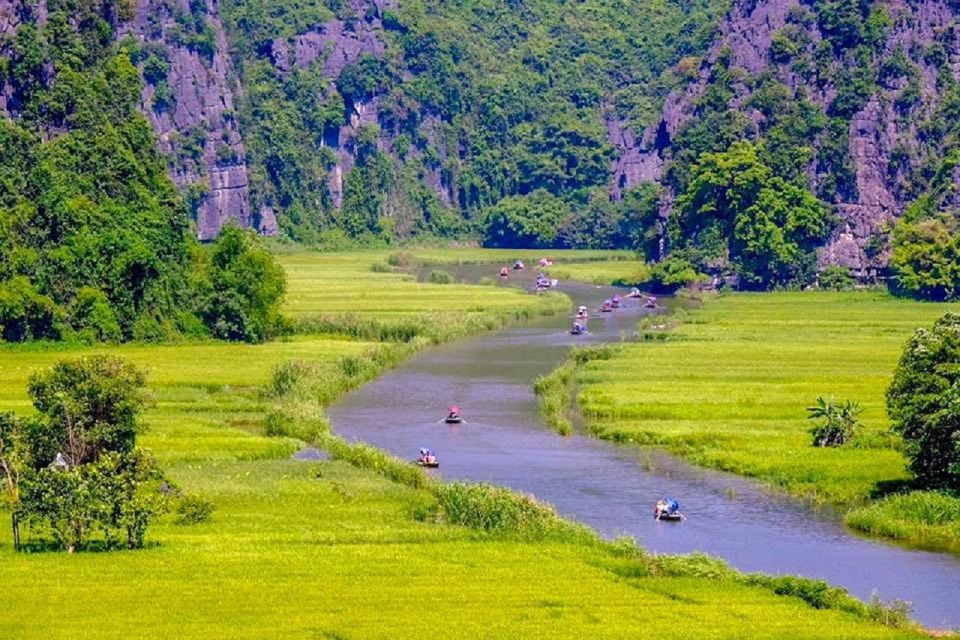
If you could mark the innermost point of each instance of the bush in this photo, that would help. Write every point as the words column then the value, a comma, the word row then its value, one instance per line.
column 838, row 423
column 381, row 267
column 193, row 509
column 25, row 314
column 836, row 278
column 923, row 402
column 402, row 260
column 439, row 276
column 673, row 273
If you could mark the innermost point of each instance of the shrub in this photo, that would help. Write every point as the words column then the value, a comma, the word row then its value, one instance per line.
column 402, row 260
column 838, row 423
column 25, row 314
column 193, row 509
column 673, row 273
column 836, row 278
column 439, row 276
column 381, row 267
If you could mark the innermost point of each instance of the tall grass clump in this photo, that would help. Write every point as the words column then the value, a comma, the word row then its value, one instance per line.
column 929, row 519
column 439, row 276
column 554, row 393
column 368, row 457
column 498, row 510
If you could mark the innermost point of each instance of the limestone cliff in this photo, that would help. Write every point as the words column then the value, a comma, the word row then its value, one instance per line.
column 196, row 125
column 887, row 141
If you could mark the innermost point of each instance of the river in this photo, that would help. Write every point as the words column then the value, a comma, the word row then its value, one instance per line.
column 613, row 488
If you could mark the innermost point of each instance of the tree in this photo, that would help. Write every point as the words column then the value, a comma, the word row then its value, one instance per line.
column 525, row 221
column 247, row 286
column 75, row 469
column 735, row 211
column 926, row 258
column 87, row 407
column 923, row 402
column 13, row 464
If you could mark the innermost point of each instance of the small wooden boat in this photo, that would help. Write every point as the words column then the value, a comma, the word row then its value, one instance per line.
column 453, row 415
column 668, row 510
column 427, row 459
column 671, row 517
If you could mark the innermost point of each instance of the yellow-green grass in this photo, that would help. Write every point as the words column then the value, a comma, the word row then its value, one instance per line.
column 321, row 549
column 729, row 388
column 506, row 257
column 923, row 518
column 344, row 283
column 605, row 272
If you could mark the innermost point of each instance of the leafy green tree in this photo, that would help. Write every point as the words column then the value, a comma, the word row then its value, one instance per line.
column 923, row 402
column 525, row 221
column 87, row 407
column 246, row 288
column 926, row 258
column 74, row 469
column 736, row 211
column 674, row 272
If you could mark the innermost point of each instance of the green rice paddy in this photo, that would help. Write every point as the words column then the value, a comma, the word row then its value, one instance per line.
column 729, row 388
column 322, row 549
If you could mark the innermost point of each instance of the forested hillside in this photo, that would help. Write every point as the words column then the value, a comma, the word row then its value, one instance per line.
column 763, row 141
column 94, row 241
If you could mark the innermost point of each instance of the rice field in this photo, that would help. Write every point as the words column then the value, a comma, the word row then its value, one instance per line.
column 322, row 549
column 729, row 387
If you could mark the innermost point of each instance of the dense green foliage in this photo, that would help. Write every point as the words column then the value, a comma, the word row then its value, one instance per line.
column 492, row 100
column 736, row 214
column 924, row 402
column 246, row 289
column 92, row 232
column 73, row 469
column 94, row 239
column 926, row 258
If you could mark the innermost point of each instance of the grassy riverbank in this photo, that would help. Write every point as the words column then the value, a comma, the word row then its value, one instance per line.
column 308, row 549
column 729, row 388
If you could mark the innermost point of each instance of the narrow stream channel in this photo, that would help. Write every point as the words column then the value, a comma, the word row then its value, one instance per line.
column 613, row 488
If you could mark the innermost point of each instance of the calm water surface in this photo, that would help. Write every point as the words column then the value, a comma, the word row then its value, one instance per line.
column 613, row 488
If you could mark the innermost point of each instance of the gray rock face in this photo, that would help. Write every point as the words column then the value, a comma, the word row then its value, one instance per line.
column 874, row 133
column 636, row 161
column 202, row 115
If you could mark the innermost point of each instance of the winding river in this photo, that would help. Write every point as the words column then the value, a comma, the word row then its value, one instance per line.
column 612, row 488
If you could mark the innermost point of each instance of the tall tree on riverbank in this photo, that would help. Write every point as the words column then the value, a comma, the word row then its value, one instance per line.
column 924, row 402
column 74, row 469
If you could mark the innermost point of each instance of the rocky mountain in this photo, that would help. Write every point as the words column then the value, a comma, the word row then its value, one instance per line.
column 883, row 77
column 387, row 118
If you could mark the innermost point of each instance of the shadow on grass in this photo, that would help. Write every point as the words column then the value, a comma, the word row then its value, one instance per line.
column 95, row 546
column 885, row 488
